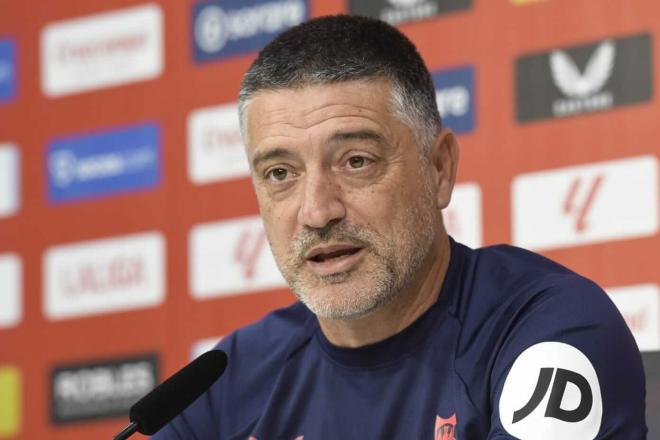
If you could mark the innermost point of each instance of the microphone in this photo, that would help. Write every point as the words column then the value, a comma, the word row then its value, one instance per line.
column 168, row 399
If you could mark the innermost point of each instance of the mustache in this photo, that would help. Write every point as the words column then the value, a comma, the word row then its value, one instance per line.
column 333, row 232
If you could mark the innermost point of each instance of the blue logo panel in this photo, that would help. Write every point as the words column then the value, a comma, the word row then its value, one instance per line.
column 232, row 27
column 7, row 69
column 454, row 91
column 100, row 164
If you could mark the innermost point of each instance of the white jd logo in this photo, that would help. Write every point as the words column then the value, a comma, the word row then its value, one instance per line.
column 579, row 85
column 553, row 409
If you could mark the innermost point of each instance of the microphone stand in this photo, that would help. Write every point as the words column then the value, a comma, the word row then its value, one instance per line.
column 126, row 432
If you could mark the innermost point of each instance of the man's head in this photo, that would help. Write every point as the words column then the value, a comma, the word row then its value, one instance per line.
column 349, row 162
column 343, row 48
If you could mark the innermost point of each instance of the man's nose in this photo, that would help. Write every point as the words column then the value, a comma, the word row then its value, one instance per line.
column 321, row 201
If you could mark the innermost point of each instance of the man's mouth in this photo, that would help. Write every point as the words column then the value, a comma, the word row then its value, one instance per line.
column 329, row 255
column 332, row 259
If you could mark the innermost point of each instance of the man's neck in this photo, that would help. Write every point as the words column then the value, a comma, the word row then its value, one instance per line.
column 403, row 310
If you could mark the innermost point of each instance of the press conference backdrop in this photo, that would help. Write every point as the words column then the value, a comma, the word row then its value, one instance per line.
column 129, row 234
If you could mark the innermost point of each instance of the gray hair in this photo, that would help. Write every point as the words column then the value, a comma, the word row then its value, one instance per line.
column 342, row 48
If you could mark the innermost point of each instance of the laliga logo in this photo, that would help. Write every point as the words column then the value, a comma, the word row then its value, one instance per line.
column 248, row 249
column 551, row 391
column 580, row 210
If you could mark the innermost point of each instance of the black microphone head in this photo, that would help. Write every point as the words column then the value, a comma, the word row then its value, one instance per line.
column 174, row 395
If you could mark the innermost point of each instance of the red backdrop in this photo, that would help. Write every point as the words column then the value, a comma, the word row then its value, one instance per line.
column 490, row 36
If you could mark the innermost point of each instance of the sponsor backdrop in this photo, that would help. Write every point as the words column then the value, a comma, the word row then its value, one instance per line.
column 129, row 234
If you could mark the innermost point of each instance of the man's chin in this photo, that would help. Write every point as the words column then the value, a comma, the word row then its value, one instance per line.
column 335, row 278
column 342, row 299
column 339, row 312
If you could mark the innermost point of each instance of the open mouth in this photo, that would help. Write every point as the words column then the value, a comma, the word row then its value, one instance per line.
column 325, row 256
column 334, row 258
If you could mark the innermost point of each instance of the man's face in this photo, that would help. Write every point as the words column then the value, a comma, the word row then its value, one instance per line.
column 348, row 203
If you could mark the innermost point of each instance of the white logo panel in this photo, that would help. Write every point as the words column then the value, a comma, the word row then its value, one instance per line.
column 104, row 276
column 586, row 204
column 9, row 180
column 215, row 147
column 551, row 391
column 102, row 50
column 462, row 217
column 231, row 257
column 11, row 290
column 640, row 307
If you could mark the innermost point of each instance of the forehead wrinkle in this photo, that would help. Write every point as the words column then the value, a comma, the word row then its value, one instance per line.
column 282, row 121
column 306, row 122
column 280, row 102
column 298, row 131
column 337, row 110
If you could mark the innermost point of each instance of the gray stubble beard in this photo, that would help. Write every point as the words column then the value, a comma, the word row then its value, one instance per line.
column 388, row 278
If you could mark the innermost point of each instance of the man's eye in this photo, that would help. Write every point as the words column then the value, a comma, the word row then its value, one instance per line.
column 357, row 161
column 278, row 174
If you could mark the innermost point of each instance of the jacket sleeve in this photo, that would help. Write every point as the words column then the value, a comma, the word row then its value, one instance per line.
column 569, row 368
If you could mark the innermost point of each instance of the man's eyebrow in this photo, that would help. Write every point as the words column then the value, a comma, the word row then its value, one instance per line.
column 368, row 135
column 276, row 153
column 283, row 153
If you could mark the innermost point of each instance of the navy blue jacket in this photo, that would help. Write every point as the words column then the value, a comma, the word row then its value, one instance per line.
column 516, row 346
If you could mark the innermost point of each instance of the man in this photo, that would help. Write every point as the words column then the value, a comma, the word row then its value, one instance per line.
column 400, row 332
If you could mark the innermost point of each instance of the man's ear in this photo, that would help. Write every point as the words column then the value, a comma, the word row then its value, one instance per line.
column 443, row 159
